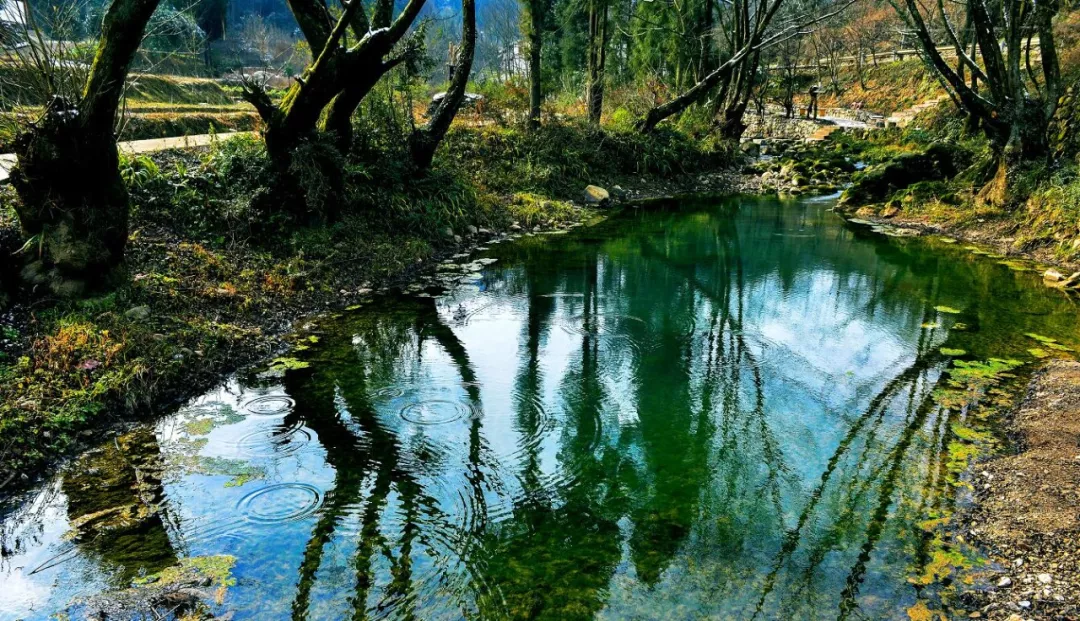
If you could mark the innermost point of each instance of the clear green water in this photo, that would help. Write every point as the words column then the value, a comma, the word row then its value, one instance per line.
column 726, row 411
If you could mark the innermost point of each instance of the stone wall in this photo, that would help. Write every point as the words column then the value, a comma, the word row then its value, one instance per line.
column 779, row 127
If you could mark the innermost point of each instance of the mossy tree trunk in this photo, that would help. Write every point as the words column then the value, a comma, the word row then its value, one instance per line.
column 72, row 200
column 426, row 140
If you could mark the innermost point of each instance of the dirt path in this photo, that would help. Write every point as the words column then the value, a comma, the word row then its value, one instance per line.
column 134, row 147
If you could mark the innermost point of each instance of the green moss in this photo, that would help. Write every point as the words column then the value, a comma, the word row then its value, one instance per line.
column 948, row 310
column 194, row 570
column 288, row 364
column 948, row 351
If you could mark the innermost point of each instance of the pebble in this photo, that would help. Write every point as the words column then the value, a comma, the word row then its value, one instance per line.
column 1004, row 582
column 1045, row 578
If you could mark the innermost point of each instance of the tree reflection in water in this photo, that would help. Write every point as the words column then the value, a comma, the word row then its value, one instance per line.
column 677, row 414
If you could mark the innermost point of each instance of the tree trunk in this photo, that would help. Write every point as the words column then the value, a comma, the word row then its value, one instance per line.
column 426, row 140
column 71, row 195
column 339, row 117
column 690, row 97
column 333, row 72
column 535, row 38
column 597, row 59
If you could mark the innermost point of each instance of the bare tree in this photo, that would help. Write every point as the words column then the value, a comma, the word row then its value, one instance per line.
column 758, row 15
column 341, row 74
column 1015, row 108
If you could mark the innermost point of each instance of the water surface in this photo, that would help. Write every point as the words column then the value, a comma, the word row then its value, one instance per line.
column 729, row 410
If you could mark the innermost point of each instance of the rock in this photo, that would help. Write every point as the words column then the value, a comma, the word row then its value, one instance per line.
column 471, row 230
column 890, row 211
column 1045, row 578
column 1052, row 275
column 751, row 148
column 138, row 313
column 1004, row 582
column 1025, row 604
column 515, row 227
column 447, row 232
column 876, row 183
column 596, row 195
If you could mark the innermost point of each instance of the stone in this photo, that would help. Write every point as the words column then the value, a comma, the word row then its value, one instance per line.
column 472, row 230
column 1052, row 275
column 447, row 232
column 890, row 211
column 751, row 148
column 596, row 195
column 515, row 227
column 1004, row 582
column 1045, row 578
column 138, row 313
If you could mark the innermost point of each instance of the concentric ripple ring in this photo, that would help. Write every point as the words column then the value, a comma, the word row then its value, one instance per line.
column 284, row 502
column 435, row 412
column 270, row 405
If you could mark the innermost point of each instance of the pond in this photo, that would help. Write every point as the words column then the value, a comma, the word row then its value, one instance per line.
column 737, row 409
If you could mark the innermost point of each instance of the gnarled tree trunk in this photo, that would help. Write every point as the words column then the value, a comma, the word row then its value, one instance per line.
column 1015, row 119
column 337, row 72
column 71, row 196
column 426, row 140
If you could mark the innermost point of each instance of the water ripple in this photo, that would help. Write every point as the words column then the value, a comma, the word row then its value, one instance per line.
column 270, row 405
column 284, row 502
column 436, row 411
column 270, row 442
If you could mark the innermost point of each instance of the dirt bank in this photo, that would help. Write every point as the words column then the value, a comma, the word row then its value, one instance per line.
column 1027, row 509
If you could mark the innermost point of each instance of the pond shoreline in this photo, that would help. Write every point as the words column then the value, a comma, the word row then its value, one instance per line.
column 987, row 234
column 268, row 334
column 1025, row 511
column 995, row 523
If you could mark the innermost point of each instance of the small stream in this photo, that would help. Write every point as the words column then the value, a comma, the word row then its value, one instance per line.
column 741, row 409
